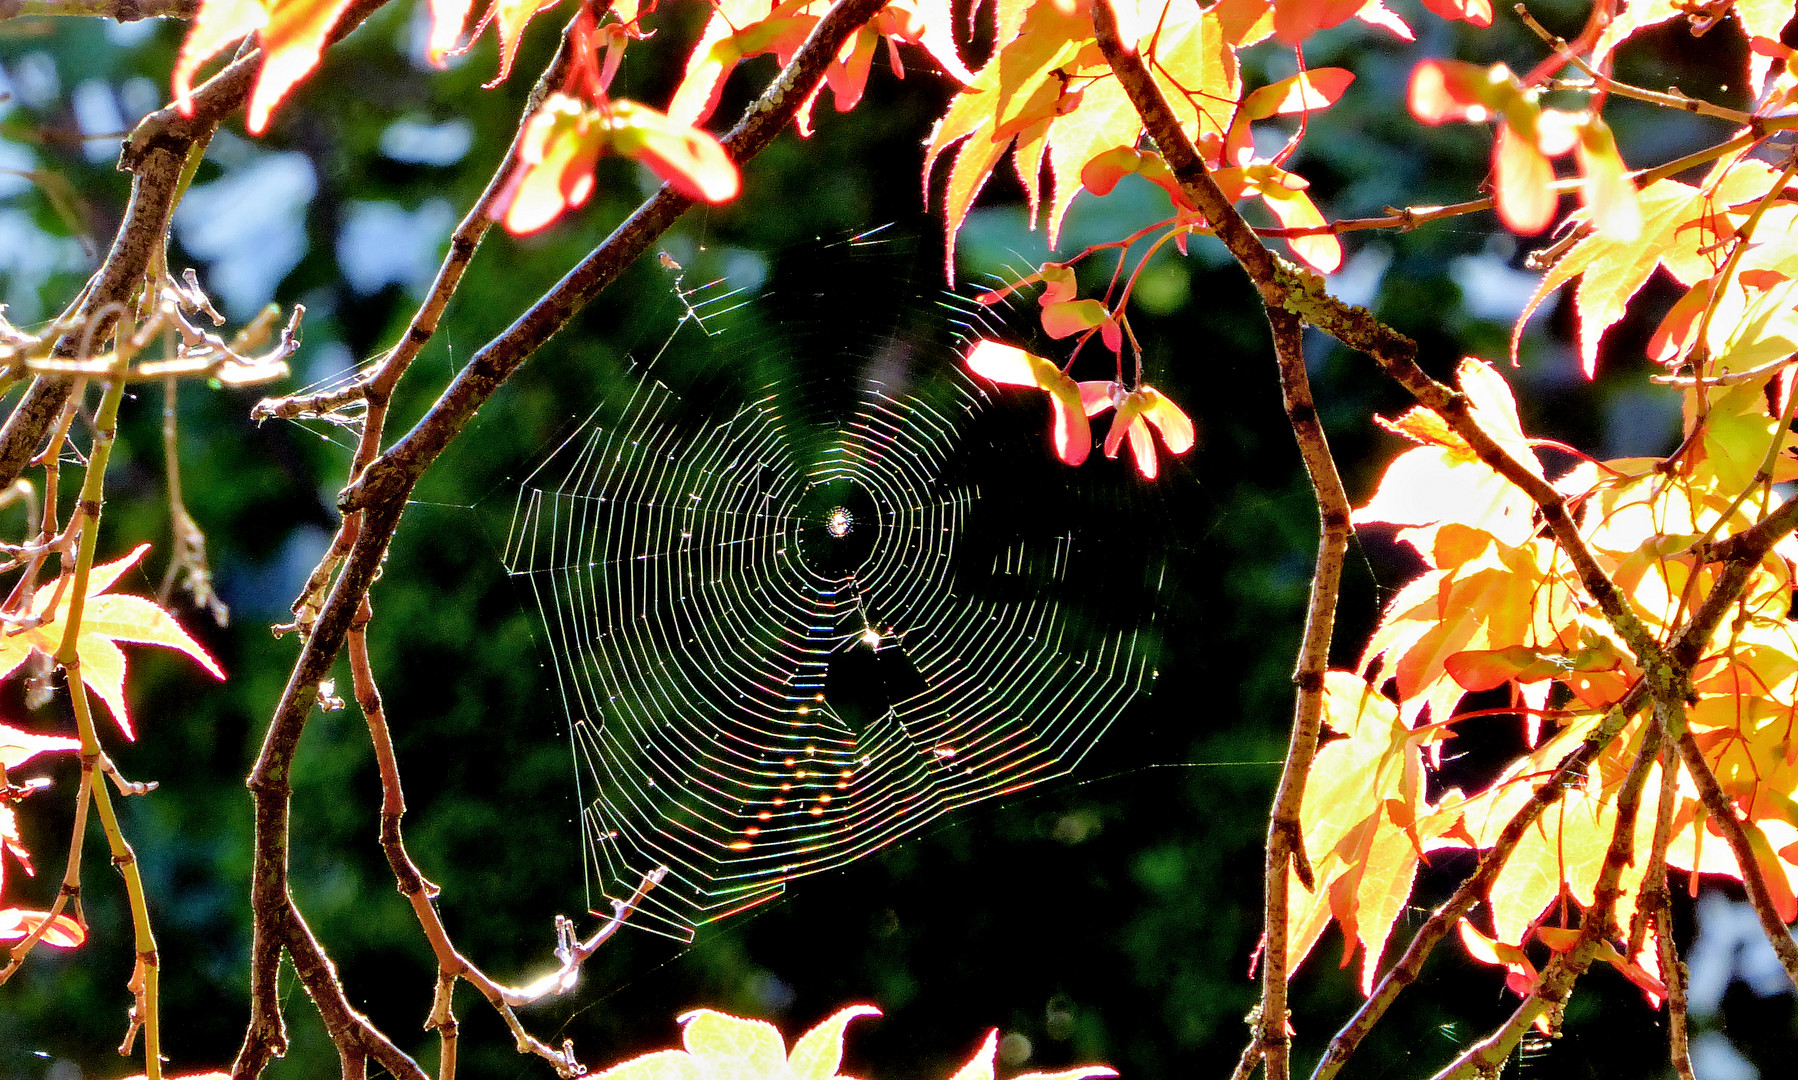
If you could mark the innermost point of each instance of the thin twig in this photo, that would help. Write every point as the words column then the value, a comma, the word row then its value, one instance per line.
column 1605, row 83
column 1736, row 833
column 381, row 492
column 1547, row 1000
column 1571, row 770
column 421, row 893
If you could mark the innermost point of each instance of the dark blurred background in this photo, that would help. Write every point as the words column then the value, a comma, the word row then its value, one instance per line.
column 1108, row 916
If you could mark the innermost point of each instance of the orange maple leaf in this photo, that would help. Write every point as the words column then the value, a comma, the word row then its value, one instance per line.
column 107, row 618
column 292, row 35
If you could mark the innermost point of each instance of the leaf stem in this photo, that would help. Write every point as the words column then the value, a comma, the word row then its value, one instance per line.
column 68, row 657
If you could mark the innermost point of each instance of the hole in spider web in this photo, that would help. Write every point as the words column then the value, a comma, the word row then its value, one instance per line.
column 808, row 587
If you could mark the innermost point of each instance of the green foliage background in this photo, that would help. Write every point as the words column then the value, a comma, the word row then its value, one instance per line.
column 1107, row 917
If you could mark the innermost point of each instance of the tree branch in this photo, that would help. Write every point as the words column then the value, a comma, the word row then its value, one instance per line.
column 1402, row 974
column 380, row 497
column 1285, row 844
column 1286, row 287
column 121, row 10
column 154, row 154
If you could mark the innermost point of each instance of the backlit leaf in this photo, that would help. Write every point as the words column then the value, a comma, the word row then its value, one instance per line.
column 17, row 747
column 107, row 618
column 731, row 1048
column 819, row 1052
column 63, row 932
column 292, row 35
column 1363, row 860
column 1317, row 88
column 1677, row 221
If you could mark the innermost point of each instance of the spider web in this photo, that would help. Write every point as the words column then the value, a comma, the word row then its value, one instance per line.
column 808, row 587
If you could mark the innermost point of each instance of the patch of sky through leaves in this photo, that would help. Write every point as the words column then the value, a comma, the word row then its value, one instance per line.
column 250, row 226
column 384, row 244
column 415, row 142
column 98, row 114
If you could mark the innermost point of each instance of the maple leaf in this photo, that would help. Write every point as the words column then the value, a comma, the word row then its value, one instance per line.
column 1296, row 20
column 1360, row 818
column 719, row 1046
column 1012, row 366
column 1680, row 224
column 107, row 618
column 1442, row 479
column 1486, row 601
column 17, row 747
column 509, row 18
column 980, row 1066
column 737, row 29
column 1762, row 19
column 1048, row 89
column 292, row 35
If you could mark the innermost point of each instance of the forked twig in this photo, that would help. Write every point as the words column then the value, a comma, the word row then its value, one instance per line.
column 1547, row 1000
column 1473, row 890
column 420, row 893
column 378, row 498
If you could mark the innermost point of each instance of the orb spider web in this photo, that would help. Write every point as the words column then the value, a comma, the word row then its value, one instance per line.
column 809, row 587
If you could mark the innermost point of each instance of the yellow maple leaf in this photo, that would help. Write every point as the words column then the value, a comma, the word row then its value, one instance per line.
column 720, row 1046
column 1360, row 819
column 1440, row 480
column 106, row 618
column 1679, row 227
